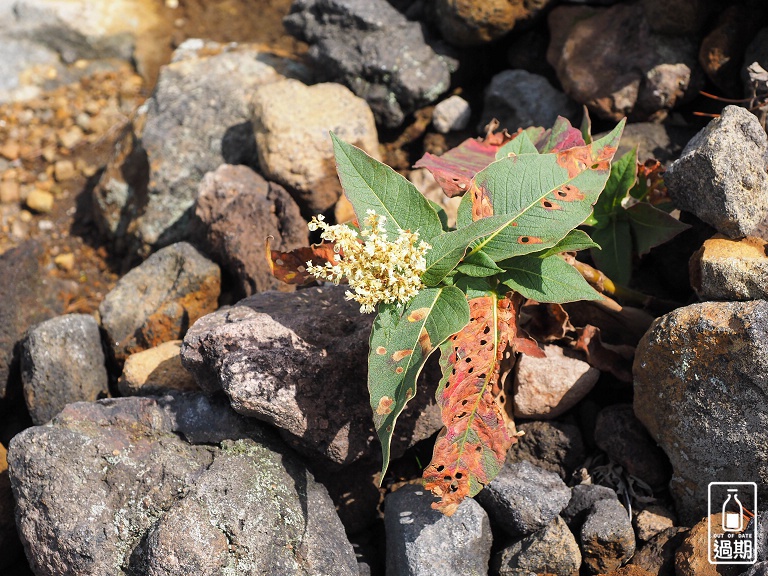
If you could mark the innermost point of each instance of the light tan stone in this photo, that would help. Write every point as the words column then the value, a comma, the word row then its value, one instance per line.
column 156, row 370
column 64, row 170
column 725, row 269
column 40, row 201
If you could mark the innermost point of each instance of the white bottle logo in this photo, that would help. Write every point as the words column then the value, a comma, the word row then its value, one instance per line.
column 733, row 512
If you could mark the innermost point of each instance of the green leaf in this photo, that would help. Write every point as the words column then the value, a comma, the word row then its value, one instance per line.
column 479, row 265
column 402, row 339
column 548, row 279
column 520, row 144
column 621, row 180
column 441, row 213
column 545, row 195
column 574, row 241
column 652, row 226
column 474, row 287
column 371, row 185
column 615, row 259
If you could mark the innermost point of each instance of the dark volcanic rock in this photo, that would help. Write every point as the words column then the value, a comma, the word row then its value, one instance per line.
column 298, row 361
column 607, row 539
column 370, row 47
column 551, row 550
column 554, row 446
column 424, row 542
column 111, row 487
column 62, row 361
column 160, row 299
column 235, row 206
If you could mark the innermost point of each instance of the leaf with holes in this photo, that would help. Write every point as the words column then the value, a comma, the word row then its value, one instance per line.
column 401, row 340
column 371, row 185
column 454, row 169
column 561, row 137
column 471, row 448
column 546, row 195
column 291, row 267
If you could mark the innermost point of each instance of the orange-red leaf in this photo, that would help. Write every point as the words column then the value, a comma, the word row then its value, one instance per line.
column 470, row 450
column 291, row 267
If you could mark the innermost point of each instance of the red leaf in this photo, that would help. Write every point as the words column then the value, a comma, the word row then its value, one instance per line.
column 561, row 137
column 291, row 267
column 470, row 450
column 454, row 169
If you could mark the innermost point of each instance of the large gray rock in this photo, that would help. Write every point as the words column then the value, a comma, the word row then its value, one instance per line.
column 298, row 361
column 554, row 446
column 583, row 498
column 197, row 118
column 519, row 99
column 423, row 542
column 159, row 299
column 111, row 487
column 704, row 364
column 61, row 362
column 291, row 122
column 235, row 207
column 607, row 539
column 370, row 47
column 721, row 176
column 524, row 498
column 551, row 550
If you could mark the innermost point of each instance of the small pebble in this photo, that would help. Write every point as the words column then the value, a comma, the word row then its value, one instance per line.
column 64, row 170
column 25, row 216
column 71, row 137
column 9, row 192
column 65, row 262
column 40, row 201
column 10, row 150
column 451, row 114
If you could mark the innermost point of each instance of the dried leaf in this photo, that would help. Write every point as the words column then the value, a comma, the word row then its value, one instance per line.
column 546, row 322
column 470, row 450
column 616, row 359
column 454, row 170
column 291, row 267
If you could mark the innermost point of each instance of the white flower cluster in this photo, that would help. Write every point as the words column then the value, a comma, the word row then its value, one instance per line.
column 377, row 270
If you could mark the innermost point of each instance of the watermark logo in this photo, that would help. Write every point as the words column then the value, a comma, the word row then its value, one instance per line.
column 732, row 537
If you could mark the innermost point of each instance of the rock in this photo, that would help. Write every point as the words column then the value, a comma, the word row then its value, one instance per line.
column 64, row 170
column 9, row 539
column 111, row 487
column 156, row 371
column 722, row 50
column 62, row 361
column 547, row 387
column 627, row 442
column 39, row 201
column 762, row 535
column 725, row 269
column 607, row 538
column 721, row 174
column 553, row 446
column 551, row 550
column 291, row 122
column 471, row 23
column 757, row 569
column 692, row 557
column 294, row 360
column 144, row 197
column 652, row 520
column 28, row 298
column 374, row 50
column 642, row 75
column 9, row 192
column 234, row 207
column 519, row 99
column 453, row 113
column 524, row 498
column 583, row 498
column 657, row 556
column 355, row 492
column 65, row 262
column 422, row 541
column 630, row 570
column 677, row 17
column 663, row 142
column 704, row 363
column 158, row 300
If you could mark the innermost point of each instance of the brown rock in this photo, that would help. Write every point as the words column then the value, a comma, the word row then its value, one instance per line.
column 10, row 150
column 475, row 22
column 236, row 209
column 725, row 269
column 692, row 558
column 651, row 521
column 155, row 371
column 629, row 570
column 546, row 387
column 291, row 122
column 658, row 555
column 9, row 192
column 64, row 170
column 158, row 300
column 9, row 539
column 641, row 74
